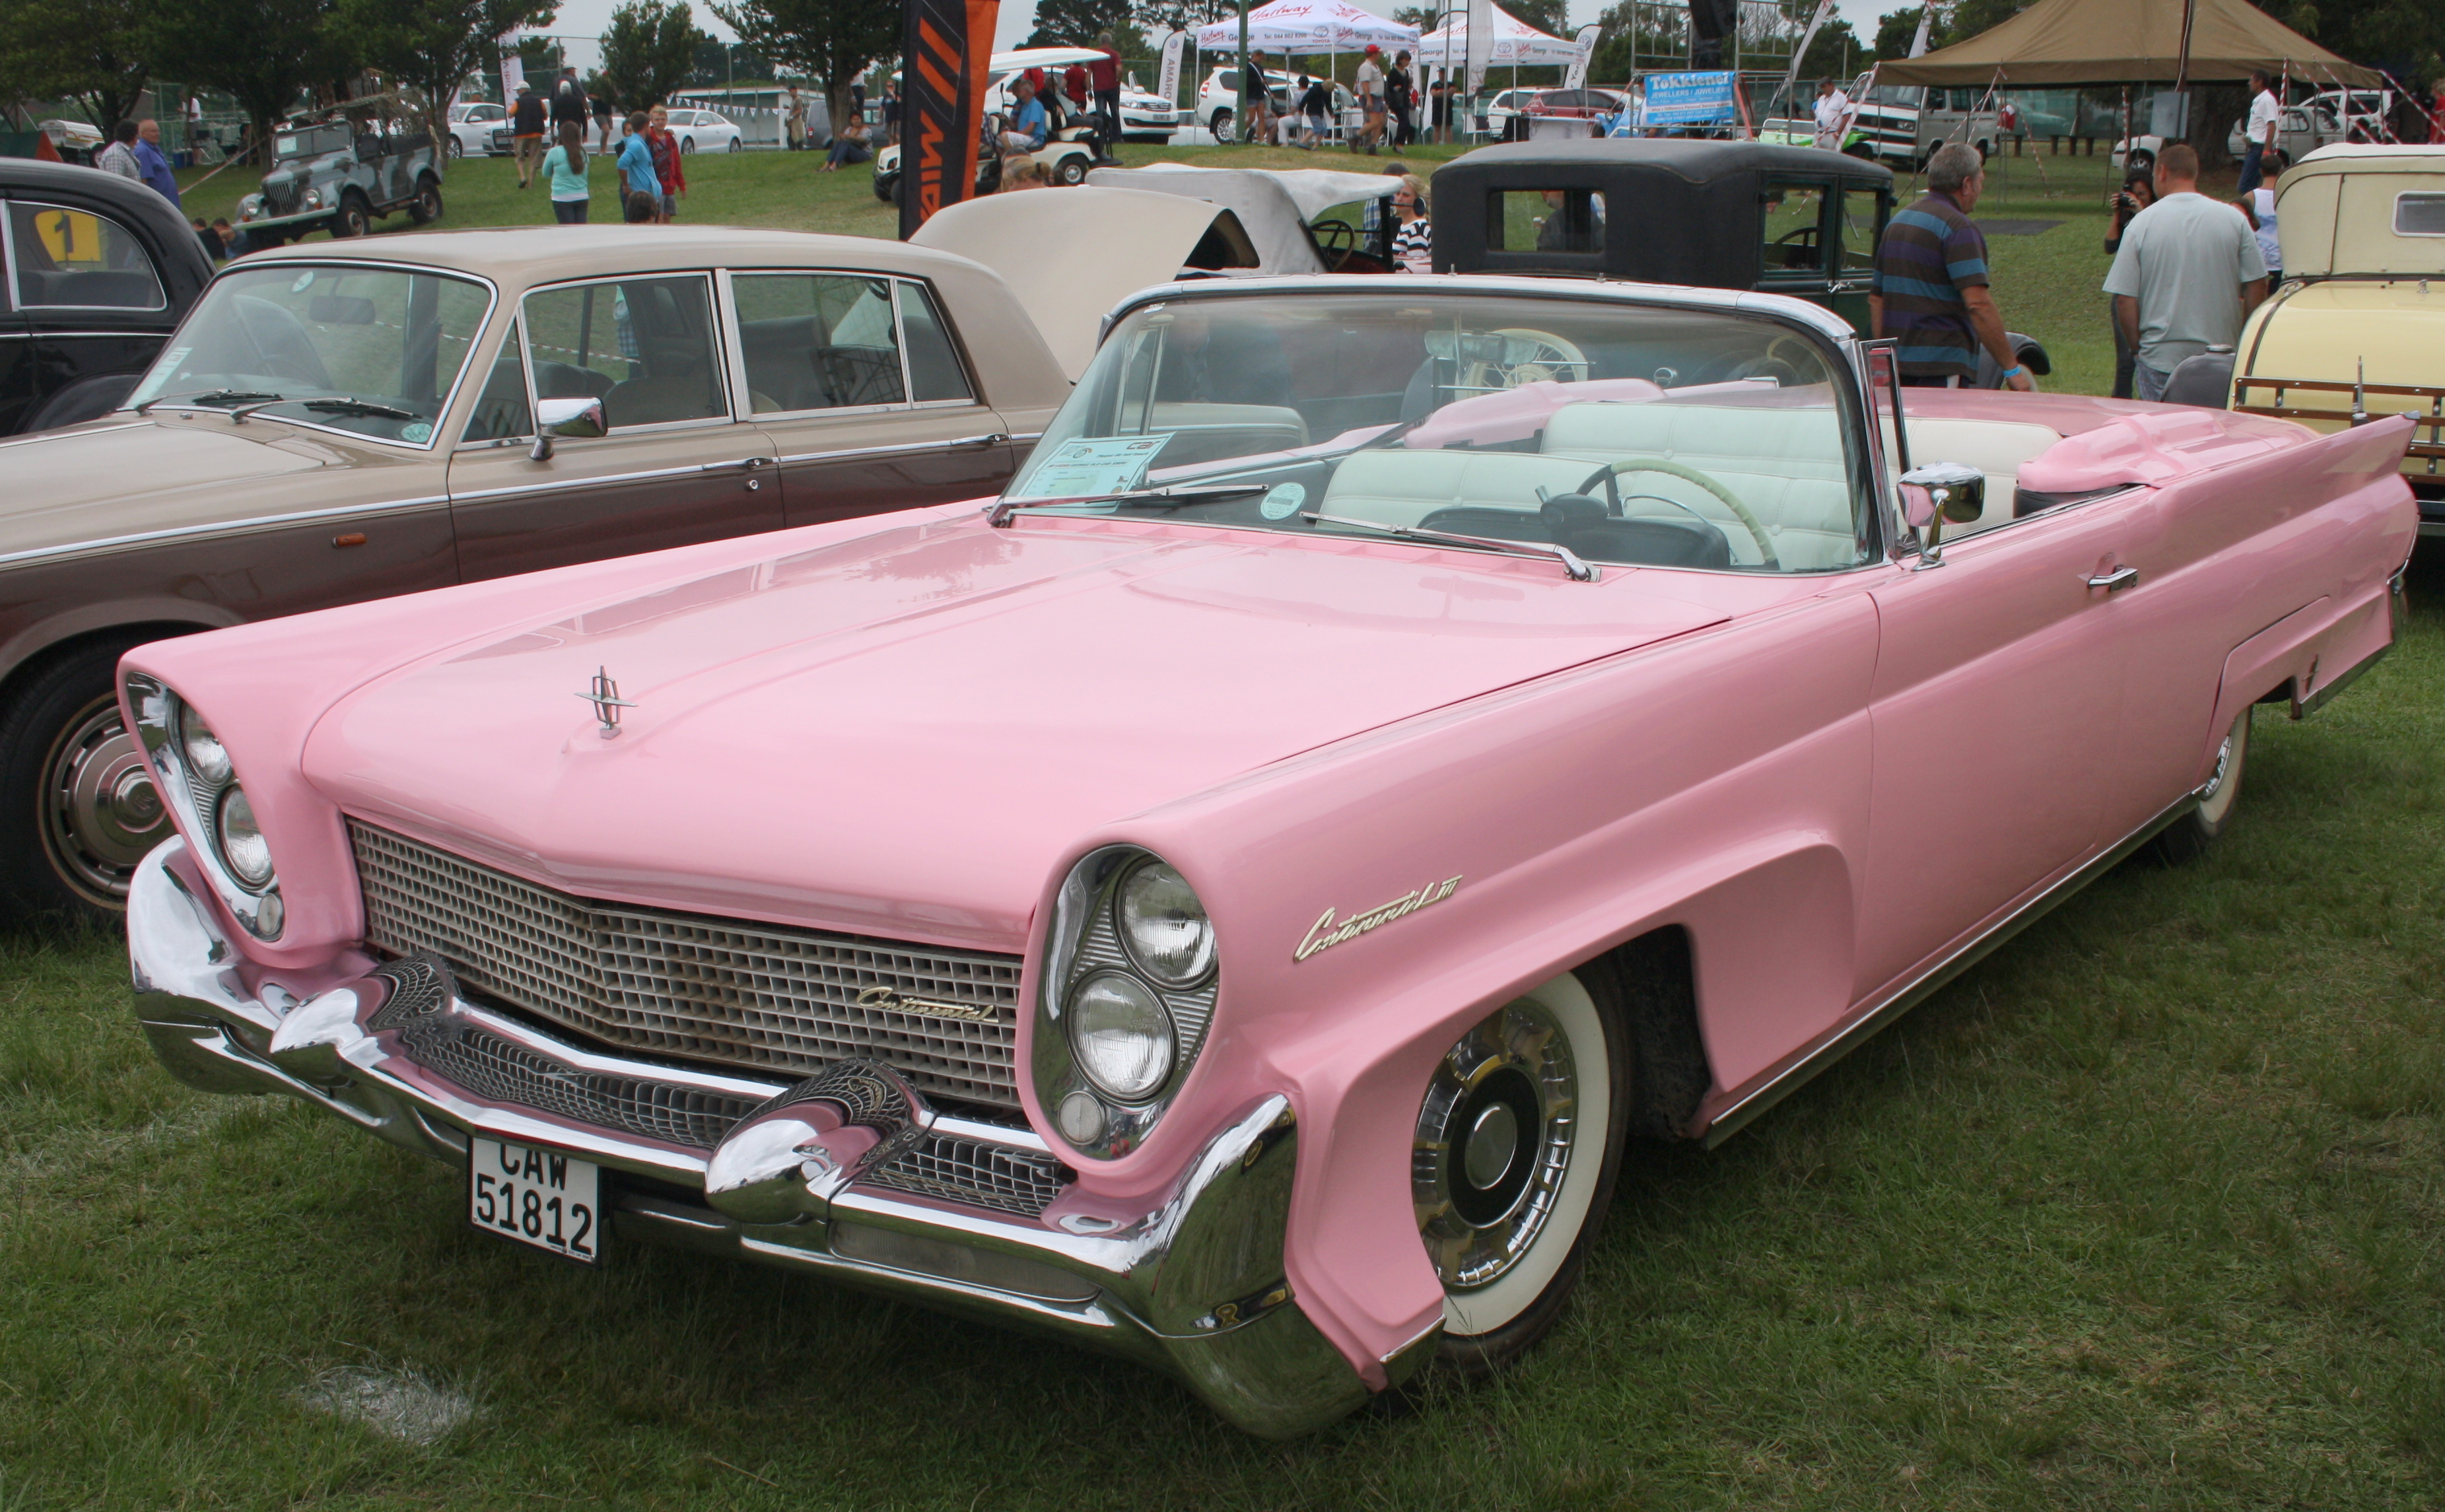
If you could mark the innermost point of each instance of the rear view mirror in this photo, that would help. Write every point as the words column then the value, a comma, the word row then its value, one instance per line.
column 1936, row 494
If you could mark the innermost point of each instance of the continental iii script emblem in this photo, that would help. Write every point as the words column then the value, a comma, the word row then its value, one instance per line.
column 892, row 1001
column 1328, row 931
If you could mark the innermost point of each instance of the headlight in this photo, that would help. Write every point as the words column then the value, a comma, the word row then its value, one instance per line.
column 1122, row 1036
column 199, row 781
column 249, row 207
column 1128, row 984
column 314, row 200
column 241, row 841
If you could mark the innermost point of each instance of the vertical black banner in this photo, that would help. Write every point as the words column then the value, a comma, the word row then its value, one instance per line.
column 1713, row 27
column 944, row 52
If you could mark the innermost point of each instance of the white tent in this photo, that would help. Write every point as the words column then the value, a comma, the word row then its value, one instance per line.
column 1308, row 25
column 1516, row 42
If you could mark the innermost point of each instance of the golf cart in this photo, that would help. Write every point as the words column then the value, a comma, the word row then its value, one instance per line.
column 1067, row 154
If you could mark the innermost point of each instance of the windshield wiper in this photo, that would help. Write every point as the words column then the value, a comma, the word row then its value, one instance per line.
column 1167, row 497
column 1573, row 564
column 358, row 406
column 215, row 397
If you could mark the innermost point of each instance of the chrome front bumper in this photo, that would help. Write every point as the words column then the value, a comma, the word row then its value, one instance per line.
column 1190, row 1282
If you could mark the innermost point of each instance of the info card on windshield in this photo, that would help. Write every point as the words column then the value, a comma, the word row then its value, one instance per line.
column 1093, row 467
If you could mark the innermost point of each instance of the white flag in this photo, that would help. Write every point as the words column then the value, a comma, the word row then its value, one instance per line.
column 1825, row 13
column 1481, row 46
column 1167, row 84
column 1926, row 18
column 1577, row 76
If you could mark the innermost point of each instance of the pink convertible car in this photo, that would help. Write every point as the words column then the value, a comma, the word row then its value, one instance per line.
column 1232, row 899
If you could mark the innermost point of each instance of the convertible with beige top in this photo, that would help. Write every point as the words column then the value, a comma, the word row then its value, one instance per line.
column 328, row 426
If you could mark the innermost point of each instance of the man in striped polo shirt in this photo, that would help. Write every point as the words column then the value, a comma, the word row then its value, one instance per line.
column 1931, row 291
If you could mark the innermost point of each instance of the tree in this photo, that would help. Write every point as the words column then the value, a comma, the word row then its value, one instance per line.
column 1895, row 30
column 1076, row 23
column 266, row 52
column 649, row 50
column 1833, row 53
column 432, row 45
column 93, row 51
column 828, row 41
column 1636, row 32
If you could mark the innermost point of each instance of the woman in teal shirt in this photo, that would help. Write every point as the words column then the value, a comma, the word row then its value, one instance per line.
column 564, row 165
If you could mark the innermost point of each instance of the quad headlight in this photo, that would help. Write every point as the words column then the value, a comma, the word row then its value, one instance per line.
column 199, row 780
column 1128, row 984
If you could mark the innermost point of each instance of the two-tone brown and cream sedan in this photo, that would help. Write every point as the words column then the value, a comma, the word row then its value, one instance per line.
column 332, row 426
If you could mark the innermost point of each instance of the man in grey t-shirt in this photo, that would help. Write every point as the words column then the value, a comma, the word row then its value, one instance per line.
column 2187, row 276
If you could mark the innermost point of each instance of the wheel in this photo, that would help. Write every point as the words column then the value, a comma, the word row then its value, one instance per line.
column 450, row 148
column 78, row 809
column 1519, row 1141
column 687, row 144
column 886, row 188
column 1072, row 173
column 426, row 207
column 2188, row 838
column 1221, row 125
column 737, row 145
column 354, row 219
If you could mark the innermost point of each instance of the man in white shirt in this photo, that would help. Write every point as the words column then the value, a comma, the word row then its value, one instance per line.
column 1835, row 114
column 1370, row 100
column 120, row 157
column 2265, row 113
column 2187, row 276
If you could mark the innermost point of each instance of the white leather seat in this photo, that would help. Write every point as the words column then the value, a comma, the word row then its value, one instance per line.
column 1787, row 462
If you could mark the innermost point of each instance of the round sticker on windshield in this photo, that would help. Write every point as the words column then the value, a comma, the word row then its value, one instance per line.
column 305, row 281
column 1284, row 501
column 418, row 433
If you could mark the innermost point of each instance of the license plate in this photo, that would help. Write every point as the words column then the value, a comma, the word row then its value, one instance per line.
column 536, row 1196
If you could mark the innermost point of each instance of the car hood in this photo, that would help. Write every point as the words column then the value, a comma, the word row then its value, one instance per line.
column 900, row 735
column 125, row 477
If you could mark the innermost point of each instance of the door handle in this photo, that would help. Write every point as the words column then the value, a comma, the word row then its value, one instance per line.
column 2122, row 577
column 745, row 464
column 994, row 438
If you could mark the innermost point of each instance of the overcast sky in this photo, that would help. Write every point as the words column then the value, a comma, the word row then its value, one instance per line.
column 587, row 18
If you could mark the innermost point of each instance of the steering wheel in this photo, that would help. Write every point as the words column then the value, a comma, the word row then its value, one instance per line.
column 1607, row 473
column 1805, row 236
column 1769, row 363
column 1336, row 239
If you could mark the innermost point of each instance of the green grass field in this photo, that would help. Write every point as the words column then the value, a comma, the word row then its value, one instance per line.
column 2143, row 1212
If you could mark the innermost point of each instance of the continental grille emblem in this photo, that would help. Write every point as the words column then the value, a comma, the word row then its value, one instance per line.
column 890, row 1001
column 1328, row 931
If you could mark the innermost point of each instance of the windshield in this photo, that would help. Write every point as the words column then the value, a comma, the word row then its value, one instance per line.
column 1622, row 433
column 371, row 350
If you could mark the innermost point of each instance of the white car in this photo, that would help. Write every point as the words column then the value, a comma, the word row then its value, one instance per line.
column 705, row 131
column 472, row 125
column 1218, row 98
column 1143, row 117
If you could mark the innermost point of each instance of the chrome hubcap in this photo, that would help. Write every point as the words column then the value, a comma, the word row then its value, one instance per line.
column 100, row 809
column 1494, row 1142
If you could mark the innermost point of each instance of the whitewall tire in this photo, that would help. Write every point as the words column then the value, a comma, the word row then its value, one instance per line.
column 1519, row 1141
column 2188, row 837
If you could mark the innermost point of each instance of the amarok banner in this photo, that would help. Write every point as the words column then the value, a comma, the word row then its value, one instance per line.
column 942, row 103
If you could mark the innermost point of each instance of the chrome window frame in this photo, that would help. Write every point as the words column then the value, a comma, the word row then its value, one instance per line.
column 161, row 287
column 442, row 424
column 526, row 372
column 2401, row 195
column 742, row 400
column 716, row 329
column 1879, row 522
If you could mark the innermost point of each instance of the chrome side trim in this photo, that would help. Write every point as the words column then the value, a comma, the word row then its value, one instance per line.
column 1800, row 1072
column 2324, row 692
column 38, row 335
column 40, row 436
column 265, row 522
column 689, row 470
column 855, row 452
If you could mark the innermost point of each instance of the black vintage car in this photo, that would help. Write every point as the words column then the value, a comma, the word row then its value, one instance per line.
column 100, row 271
column 1718, row 215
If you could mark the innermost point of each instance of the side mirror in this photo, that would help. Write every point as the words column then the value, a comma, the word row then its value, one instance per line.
column 580, row 419
column 1936, row 494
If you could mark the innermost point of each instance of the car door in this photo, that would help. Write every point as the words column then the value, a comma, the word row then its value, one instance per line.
column 17, row 360
column 859, row 381
column 1859, row 216
column 1996, row 714
column 1798, row 218
column 676, row 465
column 91, row 298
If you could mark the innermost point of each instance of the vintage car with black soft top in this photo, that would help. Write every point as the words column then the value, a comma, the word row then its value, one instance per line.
column 1234, row 898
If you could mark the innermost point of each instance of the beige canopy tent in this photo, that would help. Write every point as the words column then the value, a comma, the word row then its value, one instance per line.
column 2102, row 42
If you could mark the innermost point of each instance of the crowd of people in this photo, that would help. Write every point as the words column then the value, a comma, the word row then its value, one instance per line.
column 1385, row 96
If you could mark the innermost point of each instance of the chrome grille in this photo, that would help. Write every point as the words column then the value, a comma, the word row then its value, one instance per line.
column 495, row 1069
column 971, row 1171
column 729, row 990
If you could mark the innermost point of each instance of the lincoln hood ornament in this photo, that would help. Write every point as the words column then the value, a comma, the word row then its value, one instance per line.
column 605, row 695
column 1330, row 931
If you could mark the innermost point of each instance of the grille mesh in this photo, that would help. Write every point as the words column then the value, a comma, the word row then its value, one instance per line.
column 971, row 1171
column 728, row 990
column 494, row 1068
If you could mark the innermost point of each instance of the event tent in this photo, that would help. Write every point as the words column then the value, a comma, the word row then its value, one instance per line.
column 2101, row 42
column 1516, row 42
column 1307, row 26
